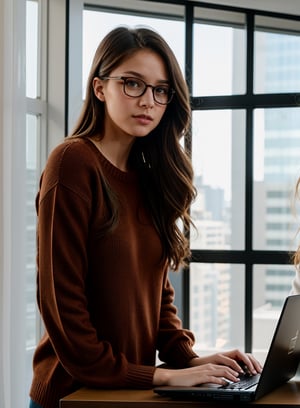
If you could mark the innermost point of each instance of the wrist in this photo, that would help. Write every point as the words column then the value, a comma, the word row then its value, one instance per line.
column 195, row 361
column 161, row 376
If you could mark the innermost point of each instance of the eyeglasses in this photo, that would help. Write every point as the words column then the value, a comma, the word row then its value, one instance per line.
column 135, row 87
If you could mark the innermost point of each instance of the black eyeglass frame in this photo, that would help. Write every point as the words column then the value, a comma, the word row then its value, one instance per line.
column 171, row 91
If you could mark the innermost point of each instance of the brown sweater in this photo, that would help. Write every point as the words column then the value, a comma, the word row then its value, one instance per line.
column 106, row 301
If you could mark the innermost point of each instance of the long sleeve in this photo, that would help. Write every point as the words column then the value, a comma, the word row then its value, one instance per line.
column 105, row 299
column 64, row 218
column 84, row 282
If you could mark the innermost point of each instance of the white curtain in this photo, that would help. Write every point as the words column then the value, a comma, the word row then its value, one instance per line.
column 12, row 203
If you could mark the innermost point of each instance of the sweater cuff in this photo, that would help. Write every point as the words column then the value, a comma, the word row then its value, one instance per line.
column 139, row 376
column 183, row 354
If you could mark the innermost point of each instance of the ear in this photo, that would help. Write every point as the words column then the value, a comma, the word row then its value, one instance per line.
column 98, row 89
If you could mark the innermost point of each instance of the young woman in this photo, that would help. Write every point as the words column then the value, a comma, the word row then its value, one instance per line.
column 108, row 209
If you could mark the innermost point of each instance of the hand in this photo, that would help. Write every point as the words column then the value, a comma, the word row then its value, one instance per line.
column 216, row 369
column 238, row 361
column 205, row 373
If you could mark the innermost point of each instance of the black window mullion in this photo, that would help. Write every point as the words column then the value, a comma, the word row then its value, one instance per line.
column 262, row 257
column 189, row 17
column 249, row 231
column 249, row 185
column 282, row 100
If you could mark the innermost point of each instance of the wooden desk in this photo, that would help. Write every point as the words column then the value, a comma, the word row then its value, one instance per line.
column 286, row 396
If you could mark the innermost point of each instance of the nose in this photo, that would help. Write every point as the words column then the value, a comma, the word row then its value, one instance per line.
column 147, row 99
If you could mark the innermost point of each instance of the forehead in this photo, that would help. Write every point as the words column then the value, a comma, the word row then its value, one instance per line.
column 146, row 63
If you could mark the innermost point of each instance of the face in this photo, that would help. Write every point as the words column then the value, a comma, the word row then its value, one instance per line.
column 127, row 116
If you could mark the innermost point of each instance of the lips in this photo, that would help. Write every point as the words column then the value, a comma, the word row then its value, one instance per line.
column 143, row 119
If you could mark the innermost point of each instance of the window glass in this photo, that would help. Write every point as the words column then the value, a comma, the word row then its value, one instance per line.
column 218, row 155
column 33, row 159
column 272, row 283
column 32, row 175
column 97, row 23
column 277, row 56
column 31, row 49
column 276, row 170
column 219, row 58
column 217, row 305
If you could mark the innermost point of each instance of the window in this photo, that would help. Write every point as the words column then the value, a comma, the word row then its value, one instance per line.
column 35, row 156
column 244, row 149
column 242, row 69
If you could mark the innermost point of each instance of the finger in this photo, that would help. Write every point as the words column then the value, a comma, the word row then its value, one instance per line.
column 249, row 364
column 226, row 372
column 256, row 363
column 215, row 380
column 241, row 362
column 228, row 360
column 217, row 374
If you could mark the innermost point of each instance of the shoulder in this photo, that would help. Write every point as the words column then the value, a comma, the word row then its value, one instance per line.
column 72, row 152
column 73, row 164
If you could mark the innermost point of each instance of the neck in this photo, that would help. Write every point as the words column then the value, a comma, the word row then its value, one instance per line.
column 114, row 151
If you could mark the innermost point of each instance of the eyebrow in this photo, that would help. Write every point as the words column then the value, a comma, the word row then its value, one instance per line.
column 138, row 75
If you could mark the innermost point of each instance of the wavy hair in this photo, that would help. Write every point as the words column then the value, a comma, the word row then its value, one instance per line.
column 164, row 168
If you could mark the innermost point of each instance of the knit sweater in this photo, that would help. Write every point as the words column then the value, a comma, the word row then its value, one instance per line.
column 106, row 301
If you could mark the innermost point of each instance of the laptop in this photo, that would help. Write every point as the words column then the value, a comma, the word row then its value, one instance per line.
column 280, row 366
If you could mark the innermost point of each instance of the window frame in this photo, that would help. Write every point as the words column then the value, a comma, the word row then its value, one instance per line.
column 49, row 108
column 248, row 101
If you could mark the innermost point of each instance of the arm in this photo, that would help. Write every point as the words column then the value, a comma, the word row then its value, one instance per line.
column 64, row 213
column 176, row 349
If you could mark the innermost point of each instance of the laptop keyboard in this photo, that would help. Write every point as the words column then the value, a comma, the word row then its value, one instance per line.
column 244, row 383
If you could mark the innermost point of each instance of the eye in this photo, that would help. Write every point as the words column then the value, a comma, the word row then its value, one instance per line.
column 162, row 90
column 134, row 83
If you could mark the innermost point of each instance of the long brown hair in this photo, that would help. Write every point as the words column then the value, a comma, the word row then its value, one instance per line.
column 164, row 168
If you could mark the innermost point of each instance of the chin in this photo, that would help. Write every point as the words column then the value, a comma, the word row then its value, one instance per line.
column 142, row 135
column 142, row 132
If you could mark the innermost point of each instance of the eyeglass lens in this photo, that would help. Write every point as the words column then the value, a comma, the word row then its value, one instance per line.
column 136, row 87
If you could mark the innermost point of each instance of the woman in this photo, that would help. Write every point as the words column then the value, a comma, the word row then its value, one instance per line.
column 108, row 209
